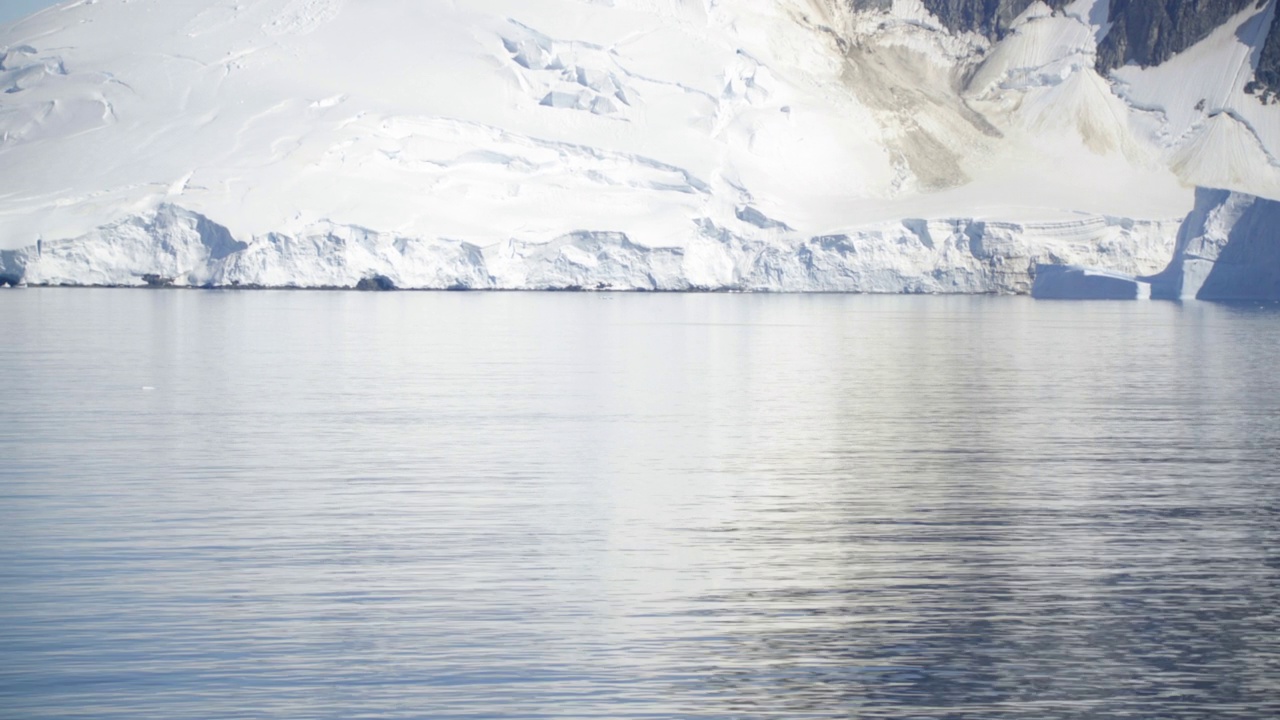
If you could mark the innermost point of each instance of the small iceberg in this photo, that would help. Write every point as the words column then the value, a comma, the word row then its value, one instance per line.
column 1074, row 282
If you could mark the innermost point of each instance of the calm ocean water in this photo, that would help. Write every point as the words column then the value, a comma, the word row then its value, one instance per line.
column 440, row 505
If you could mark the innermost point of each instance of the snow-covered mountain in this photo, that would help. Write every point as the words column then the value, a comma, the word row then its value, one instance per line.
column 861, row 145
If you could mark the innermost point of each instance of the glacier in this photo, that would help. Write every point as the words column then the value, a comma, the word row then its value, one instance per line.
column 1228, row 248
column 175, row 246
column 748, row 145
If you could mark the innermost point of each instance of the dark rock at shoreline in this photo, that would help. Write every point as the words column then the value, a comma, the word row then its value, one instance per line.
column 157, row 281
column 376, row 283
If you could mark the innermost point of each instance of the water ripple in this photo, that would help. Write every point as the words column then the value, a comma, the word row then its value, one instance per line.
column 340, row 505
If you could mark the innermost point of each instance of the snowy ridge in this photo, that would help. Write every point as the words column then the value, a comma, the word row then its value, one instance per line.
column 633, row 144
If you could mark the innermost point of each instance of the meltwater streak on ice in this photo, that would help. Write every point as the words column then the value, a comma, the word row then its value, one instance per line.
column 339, row 505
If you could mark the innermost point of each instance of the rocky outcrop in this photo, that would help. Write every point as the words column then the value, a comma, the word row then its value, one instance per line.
column 1266, row 82
column 1143, row 32
column 991, row 18
column 377, row 283
column 1148, row 32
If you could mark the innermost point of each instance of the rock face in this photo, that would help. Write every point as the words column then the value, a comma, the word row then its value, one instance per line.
column 1148, row 32
column 991, row 18
column 1266, row 81
column 380, row 283
column 1143, row 32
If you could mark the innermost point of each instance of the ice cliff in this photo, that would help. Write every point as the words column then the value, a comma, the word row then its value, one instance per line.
column 1228, row 249
column 174, row 246
column 786, row 145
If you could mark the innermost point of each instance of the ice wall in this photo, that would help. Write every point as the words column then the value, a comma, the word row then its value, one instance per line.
column 1228, row 249
column 178, row 247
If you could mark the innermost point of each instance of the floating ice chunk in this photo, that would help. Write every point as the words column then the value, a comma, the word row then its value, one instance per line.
column 1071, row 282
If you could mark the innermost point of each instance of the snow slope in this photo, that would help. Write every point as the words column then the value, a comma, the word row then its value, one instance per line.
column 1209, row 129
column 644, row 144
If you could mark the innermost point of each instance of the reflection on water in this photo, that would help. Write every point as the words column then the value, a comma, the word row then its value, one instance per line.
column 340, row 505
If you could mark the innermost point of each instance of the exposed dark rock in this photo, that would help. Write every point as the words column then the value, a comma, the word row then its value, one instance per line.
column 1144, row 32
column 376, row 282
column 1266, row 82
column 157, row 281
column 992, row 18
column 1148, row 32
